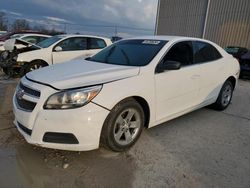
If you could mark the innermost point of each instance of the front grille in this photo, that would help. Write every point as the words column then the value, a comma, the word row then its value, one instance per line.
column 25, row 105
column 24, row 129
column 23, row 102
column 29, row 90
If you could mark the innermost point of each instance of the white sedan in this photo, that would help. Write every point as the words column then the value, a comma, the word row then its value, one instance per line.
column 110, row 97
column 53, row 50
column 31, row 38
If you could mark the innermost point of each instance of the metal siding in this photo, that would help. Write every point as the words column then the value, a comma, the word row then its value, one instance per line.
column 181, row 17
column 228, row 21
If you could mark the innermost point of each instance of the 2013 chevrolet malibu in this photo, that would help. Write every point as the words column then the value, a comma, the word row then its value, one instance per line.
column 109, row 98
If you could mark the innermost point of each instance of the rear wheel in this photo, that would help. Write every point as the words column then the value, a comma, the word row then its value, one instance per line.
column 224, row 97
column 123, row 125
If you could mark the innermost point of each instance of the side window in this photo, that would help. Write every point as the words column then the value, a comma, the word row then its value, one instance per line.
column 95, row 43
column 204, row 52
column 181, row 52
column 73, row 44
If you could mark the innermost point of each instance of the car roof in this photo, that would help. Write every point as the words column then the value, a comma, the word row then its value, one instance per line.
column 167, row 38
column 8, row 34
column 173, row 39
column 32, row 34
column 35, row 34
column 78, row 35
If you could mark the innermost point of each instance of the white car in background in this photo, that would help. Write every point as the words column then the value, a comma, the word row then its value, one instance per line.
column 29, row 38
column 53, row 50
column 3, row 32
column 110, row 97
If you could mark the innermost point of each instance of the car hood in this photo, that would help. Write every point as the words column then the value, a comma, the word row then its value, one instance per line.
column 81, row 73
column 10, row 44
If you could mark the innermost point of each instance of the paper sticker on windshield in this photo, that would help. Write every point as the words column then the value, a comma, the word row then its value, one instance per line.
column 153, row 42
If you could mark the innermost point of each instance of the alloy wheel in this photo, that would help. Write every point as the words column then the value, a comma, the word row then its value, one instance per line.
column 226, row 95
column 127, row 126
column 35, row 66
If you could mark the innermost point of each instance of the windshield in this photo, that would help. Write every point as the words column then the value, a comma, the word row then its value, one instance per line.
column 129, row 52
column 48, row 42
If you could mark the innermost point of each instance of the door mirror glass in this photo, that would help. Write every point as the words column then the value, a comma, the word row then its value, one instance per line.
column 58, row 49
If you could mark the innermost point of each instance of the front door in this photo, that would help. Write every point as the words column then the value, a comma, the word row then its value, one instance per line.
column 177, row 90
column 71, row 48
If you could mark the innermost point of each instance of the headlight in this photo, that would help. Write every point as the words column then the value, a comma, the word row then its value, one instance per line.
column 72, row 98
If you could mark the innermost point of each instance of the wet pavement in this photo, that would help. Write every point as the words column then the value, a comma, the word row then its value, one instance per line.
column 205, row 148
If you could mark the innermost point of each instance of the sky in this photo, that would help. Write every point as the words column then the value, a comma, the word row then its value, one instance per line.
column 101, row 17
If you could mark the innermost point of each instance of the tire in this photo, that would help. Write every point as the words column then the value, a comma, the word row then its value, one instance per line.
column 11, row 72
column 123, row 126
column 34, row 66
column 225, row 96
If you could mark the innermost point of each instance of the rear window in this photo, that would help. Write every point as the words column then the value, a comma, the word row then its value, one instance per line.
column 96, row 43
column 130, row 52
column 205, row 52
column 232, row 50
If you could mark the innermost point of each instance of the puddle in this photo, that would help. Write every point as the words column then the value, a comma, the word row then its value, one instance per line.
column 24, row 166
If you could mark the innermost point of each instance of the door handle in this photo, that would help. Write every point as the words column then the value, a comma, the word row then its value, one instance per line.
column 196, row 76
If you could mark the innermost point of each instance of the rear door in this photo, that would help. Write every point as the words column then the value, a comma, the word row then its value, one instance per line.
column 177, row 90
column 72, row 48
column 211, row 70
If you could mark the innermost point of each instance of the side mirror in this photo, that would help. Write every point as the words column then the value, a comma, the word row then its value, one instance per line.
column 169, row 65
column 58, row 49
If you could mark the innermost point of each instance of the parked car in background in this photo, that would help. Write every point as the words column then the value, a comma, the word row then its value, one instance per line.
column 115, row 38
column 2, row 32
column 110, row 97
column 245, row 65
column 236, row 51
column 53, row 50
column 30, row 38
column 8, row 35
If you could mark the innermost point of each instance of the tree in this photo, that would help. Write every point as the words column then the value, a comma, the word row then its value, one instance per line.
column 3, row 22
column 20, row 24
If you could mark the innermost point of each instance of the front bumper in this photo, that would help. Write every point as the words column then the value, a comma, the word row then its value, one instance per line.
column 84, row 123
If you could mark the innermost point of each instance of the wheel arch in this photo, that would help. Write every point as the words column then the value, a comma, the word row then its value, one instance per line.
column 144, row 104
column 40, row 60
column 232, row 79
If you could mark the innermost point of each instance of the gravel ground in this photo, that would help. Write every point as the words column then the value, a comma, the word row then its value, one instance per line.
column 205, row 148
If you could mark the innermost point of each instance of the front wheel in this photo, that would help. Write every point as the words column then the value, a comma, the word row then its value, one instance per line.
column 225, row 96
column 34, row 66
column 123, row 126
